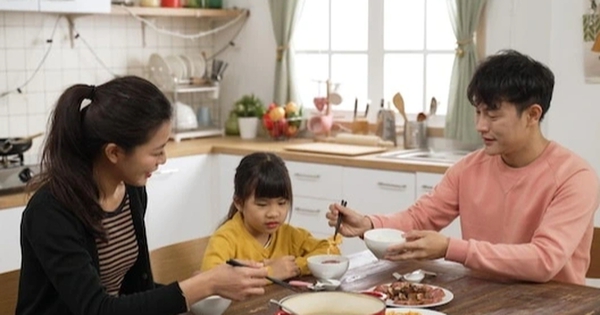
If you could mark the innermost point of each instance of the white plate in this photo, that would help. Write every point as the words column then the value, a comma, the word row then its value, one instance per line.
column 403, row 311
column 448, row 296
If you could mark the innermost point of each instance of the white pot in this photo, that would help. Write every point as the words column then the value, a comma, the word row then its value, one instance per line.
column 248, row 127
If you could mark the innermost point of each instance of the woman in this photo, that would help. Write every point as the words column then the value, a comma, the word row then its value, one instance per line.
column 83, row 239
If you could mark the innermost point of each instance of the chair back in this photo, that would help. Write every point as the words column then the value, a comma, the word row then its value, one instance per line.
column 9, row 288
column 178, row 261
column 594, row 269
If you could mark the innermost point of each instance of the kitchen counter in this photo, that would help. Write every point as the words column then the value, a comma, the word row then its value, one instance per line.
column 237, row 146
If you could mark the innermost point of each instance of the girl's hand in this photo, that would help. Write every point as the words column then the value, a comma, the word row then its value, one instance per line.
column 283, row 268
column 353, row 223
column 239, row 283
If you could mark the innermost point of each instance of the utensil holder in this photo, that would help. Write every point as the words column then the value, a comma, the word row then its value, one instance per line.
column 360, row 126
column 415, row 135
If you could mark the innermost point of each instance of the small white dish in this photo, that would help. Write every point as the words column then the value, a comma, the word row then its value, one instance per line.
column 327, row 284
column 414, row 277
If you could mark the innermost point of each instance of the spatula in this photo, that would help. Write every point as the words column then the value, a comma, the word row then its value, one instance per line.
column 399, row 103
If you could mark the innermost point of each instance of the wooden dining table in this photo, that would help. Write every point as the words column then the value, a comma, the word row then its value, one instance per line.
column 474, row 292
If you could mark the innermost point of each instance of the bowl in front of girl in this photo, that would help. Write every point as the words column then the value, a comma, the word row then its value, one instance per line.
column 378, row 240
column 328, row 266
column 212, row 305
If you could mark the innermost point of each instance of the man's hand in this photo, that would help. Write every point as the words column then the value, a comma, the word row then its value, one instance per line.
column 419, row 245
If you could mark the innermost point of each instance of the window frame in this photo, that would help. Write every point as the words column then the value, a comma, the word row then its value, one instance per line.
column 375, row 60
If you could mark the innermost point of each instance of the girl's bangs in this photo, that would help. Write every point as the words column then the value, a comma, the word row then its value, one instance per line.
column 272, row 183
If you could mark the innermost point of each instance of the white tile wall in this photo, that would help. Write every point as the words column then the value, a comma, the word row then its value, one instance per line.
column 116, row 40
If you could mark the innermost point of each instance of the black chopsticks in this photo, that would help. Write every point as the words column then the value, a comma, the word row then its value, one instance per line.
column 286, row 285
column 339, row 220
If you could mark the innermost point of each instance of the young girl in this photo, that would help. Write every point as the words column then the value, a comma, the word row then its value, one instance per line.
column 83, row 239
column 255, row 227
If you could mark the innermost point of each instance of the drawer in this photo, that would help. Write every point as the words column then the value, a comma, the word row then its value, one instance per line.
column 316, row 180
column 426, row 182
column 310, row 213
column 378, row 192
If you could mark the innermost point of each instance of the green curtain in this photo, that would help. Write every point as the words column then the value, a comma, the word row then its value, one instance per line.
column 460, row 119
column 284, row 14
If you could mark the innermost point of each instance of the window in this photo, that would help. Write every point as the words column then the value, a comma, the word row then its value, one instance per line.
column 375, row 48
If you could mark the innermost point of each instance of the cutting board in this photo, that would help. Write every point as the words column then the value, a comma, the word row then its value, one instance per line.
column 334, row 149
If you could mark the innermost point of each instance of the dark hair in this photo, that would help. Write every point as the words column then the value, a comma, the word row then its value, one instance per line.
column 126, row 111
column 511, row 77
column 262, row 174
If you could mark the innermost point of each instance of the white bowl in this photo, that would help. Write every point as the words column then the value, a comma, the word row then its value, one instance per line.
column 212, row 305
column 328, row 266
column 378, row 240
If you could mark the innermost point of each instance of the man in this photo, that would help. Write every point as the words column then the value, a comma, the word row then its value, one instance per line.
column 526, row 203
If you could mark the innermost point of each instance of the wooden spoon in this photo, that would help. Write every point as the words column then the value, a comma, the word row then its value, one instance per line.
column 399, row 103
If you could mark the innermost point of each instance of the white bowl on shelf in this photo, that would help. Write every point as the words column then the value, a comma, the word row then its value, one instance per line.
column 185, row 118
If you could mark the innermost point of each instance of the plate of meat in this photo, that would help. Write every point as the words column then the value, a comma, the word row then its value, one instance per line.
column 414, row 295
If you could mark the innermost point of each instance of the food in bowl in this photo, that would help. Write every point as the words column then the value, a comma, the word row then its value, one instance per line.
column 328, row 266
column 378, row 240
column 333, row 303
column 212, row 305
column 332, row 261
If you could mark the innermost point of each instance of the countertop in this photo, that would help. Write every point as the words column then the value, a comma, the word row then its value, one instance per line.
column 237, row 146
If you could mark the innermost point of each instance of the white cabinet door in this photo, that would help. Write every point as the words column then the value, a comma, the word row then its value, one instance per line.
column 378, row 192
column 10, row 239
column 309, row 213
column 425, row 183
column 179, row 201
column 224, row 183
column 19, row 5
column 318, row 181
column 75, row 6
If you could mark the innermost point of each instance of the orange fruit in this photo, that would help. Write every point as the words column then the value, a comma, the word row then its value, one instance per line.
column 277, row 113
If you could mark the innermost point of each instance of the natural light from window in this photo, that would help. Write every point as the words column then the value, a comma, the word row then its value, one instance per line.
column 374, row 49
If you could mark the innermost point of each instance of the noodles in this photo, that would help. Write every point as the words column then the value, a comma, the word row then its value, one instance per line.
column 333, row 243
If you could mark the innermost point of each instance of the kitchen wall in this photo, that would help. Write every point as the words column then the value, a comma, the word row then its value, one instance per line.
column 116, row 40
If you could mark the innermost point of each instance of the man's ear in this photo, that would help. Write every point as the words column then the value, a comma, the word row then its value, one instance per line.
column 534, row 114
column 113, row 152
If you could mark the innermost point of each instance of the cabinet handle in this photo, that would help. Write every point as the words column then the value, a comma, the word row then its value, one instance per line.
column 427, row 187
column 167, row 171
column 391, row 186
column 307, row 210
column 308, row 176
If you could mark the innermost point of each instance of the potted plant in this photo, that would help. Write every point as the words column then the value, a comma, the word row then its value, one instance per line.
column 248, row 110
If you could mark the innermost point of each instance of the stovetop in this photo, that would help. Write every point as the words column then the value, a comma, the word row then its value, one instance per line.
column 8, row 161
column 14, row 178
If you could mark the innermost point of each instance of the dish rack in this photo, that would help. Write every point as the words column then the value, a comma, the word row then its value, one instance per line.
column 196, row 112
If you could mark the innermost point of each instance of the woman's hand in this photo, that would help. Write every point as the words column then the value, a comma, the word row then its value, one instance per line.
column 283, row 268
column 353, row 223
column 419, row 245
column 235, row 283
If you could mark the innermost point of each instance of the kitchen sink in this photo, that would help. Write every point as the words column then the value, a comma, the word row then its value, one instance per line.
column 426, row 155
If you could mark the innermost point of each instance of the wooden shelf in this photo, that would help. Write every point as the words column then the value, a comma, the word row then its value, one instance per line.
column 180, row 12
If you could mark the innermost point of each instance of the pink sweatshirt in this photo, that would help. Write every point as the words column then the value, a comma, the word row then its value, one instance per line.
column 533, row 223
